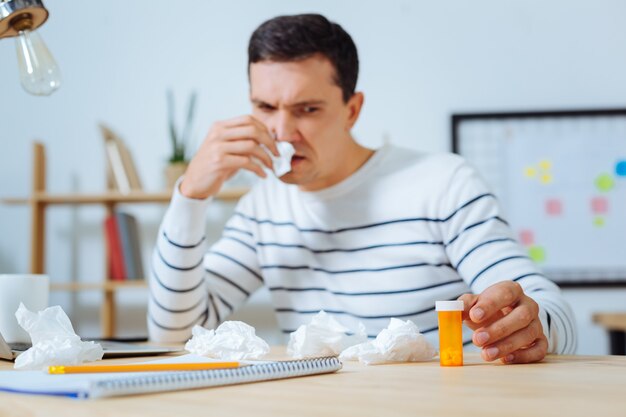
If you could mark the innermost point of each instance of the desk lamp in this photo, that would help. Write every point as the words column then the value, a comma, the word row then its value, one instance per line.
column 39, row 73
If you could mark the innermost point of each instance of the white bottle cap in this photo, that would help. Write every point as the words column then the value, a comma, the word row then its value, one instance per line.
column 449, row 305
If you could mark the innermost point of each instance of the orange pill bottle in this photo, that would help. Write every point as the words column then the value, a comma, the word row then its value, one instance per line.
column 450, row 315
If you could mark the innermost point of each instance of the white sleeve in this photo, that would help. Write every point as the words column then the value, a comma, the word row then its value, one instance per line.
column 482, row 248
column 189, row 285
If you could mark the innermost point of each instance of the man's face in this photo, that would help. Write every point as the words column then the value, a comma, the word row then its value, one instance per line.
column 300, row 103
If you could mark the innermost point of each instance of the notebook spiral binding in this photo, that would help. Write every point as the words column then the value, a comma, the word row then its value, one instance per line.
column 182, row 380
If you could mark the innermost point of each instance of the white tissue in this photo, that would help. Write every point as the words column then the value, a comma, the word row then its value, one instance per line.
column 282, row 163
column 54, row 341
column 401, row 341
column 232, row 340
column 323, row 336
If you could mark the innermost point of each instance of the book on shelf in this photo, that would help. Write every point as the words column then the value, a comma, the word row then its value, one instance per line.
column 123, row 246
column 121, row 171
column 131, row 245
column 115, row 256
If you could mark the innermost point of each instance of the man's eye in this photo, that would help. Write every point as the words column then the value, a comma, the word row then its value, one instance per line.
column 265, row 107
column 309, row 109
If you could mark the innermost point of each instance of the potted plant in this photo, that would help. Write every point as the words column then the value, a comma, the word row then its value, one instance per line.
column 178, row 161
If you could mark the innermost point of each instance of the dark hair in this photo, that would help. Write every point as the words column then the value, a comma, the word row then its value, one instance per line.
column 292, row 38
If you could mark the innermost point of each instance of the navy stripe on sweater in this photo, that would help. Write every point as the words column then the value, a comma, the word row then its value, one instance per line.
column 506, row 239
column 499, row 261
column 365, row 226
column 549, row 321
column 158, row 280
column 234, row 239
column 471, row 226
column 232, row 283
column 230, row 258
column 227, row 304
column 521, row 277
column 350, row 271
column 178, row 268
column 169, row 310
column 355, row 294
column 178, row 245
column 212, row 304
column 349, row 250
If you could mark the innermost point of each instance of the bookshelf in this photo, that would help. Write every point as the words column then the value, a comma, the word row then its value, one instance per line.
column 40, row 199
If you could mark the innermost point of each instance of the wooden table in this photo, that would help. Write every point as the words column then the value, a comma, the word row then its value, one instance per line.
column 615, row 324
column 561, row 386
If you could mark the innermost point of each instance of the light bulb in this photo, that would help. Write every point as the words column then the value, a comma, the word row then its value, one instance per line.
column 39, row 73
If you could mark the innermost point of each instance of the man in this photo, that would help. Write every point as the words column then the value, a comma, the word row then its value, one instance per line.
column 364, row 235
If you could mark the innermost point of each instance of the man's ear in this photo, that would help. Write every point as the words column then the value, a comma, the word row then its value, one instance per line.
column 355, row 104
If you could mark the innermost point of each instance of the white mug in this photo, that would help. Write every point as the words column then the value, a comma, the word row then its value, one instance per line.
column 30, row 289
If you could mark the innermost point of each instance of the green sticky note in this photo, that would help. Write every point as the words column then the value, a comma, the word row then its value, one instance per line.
column 537, row 253
column 605, row 182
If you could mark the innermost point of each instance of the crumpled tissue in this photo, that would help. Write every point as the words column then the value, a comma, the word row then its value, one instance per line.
column 232, row 340
column 282, row 163
column 401, row 341
column 323, row 336
column 53, row 339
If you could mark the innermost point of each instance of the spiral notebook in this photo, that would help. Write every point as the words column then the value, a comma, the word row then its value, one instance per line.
column 113, row 385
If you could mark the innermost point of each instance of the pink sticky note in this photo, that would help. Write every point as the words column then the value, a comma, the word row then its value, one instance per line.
column 554, row 207
column 527, row 237
column 599, row 205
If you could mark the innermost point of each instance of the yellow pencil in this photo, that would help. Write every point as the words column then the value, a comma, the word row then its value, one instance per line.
column 142, row 367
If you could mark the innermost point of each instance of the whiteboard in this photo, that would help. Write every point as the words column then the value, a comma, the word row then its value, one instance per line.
column 560, row 178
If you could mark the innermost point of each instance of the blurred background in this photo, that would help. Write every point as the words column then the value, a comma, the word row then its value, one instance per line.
column 421, row 61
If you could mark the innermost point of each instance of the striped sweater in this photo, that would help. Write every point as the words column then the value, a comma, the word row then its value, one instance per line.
column 403, row 231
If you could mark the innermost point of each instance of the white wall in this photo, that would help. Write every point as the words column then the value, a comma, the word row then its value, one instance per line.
column 421, row 61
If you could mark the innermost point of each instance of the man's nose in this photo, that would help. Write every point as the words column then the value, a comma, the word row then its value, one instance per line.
column 284, row 127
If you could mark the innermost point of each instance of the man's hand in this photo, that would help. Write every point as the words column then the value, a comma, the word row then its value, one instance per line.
column 506, row 324
column 229, row 146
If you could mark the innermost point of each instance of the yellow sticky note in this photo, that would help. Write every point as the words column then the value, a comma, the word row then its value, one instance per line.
column 530, row 172
column 546, row 178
